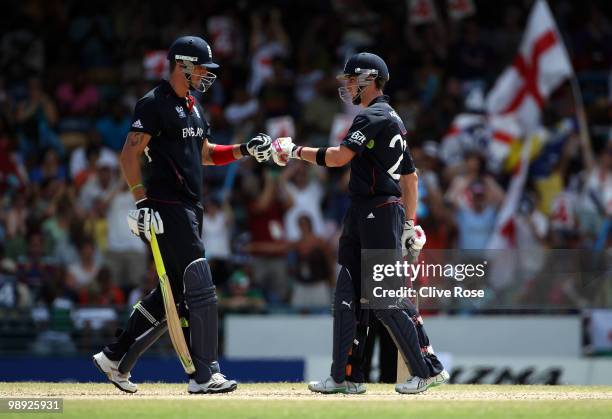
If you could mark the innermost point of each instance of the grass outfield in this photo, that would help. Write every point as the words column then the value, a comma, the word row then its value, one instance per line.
column 293, row 400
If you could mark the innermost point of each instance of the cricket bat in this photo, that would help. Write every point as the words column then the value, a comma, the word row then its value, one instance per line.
column 403, row 372
column 174, row 324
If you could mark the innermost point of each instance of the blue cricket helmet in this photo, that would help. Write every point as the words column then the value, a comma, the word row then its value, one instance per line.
column 189, row 52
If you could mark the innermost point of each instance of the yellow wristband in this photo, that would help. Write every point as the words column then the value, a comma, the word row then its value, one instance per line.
column 138, row 185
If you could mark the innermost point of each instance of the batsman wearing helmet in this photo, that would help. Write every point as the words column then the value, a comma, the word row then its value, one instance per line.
column 162, row 163
column 383, row 191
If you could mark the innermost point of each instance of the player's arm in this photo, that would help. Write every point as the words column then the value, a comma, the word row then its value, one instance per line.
column 324, row 156
column 134, row 146
column 363, row 127
column 413, row 237
column 410, row 193
column 216, row 154
column 219, row 155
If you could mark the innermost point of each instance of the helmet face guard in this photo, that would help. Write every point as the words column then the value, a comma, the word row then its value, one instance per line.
column 206, row 80
column 365, row 77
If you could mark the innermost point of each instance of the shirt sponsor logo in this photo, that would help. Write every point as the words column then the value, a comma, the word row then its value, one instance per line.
column 356, row 138
column 193, row 132
column 137, row 124
column 180, row 112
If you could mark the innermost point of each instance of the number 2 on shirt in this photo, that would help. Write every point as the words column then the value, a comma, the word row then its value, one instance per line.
column 394, row 168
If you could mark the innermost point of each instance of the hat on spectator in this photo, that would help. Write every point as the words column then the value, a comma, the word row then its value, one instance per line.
column 430, row 148
column 107, row 160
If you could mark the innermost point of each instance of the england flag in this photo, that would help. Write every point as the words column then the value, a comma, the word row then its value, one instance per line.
column 540, row 66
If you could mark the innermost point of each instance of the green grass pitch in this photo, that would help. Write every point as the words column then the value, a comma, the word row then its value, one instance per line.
column 293, row 400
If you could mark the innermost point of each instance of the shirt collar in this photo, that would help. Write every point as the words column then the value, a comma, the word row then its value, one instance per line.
column 165, row 84
column 378, row 99
column 189, row 100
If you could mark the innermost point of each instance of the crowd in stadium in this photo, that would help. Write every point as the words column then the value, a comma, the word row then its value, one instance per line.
column 71, row 73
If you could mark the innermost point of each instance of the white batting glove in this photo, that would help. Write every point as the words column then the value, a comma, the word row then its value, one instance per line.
column 260, row 147
column 141, row 219
column 413, row 239
column 283, row 149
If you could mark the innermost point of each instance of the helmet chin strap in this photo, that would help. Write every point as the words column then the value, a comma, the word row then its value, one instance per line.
column 357, row 98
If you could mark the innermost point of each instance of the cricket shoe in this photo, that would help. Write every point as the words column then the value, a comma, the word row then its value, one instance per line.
column 417, row 384
column 217, row 384
column 111, row 370
column 329, row 386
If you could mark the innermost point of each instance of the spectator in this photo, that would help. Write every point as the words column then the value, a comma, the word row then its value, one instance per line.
column 463, row 176
column 58, row 227
column 102, row 291
column 531, row 229
column 102, row 184
column 475, row 222
column 55, row 337
column 472, row 56
column 146, row 284
column 57, row 290
column 276, row 93
column 95, row 223
column 114, row 127
column 13, row 175
column 595, row 203
column 50, row 168
column 216, row 233
column 125, row 254
column 267, row 41
column 241, row 298
column 82, row 272
column 313, row 269
column 306, row 79
column 83, row 160
column 36, row 117
column 242, row 110
column 15, row 294
column 16, row 217
column 77, row 97
column 266, row 206
column 305, row 190
column 35, row 268
column 22, row 50
column 318, row 113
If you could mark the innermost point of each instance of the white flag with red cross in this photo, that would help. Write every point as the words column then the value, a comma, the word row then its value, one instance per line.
column 156, row 64
column 460, row 9
column 540, row 66
column 421, row 11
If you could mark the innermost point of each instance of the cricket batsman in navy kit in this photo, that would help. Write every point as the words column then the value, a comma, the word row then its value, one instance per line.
column 162, row 163
column 383, row 191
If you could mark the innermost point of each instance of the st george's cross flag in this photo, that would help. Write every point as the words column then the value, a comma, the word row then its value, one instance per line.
column 541, row 65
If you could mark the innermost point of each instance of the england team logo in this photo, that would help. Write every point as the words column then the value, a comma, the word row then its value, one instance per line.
column 180, row 112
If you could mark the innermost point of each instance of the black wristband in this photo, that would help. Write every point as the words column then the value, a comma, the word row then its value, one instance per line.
column 321, row 156
column 244, row 150
column 142, row 203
